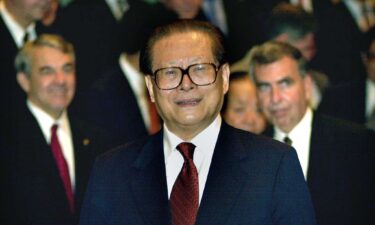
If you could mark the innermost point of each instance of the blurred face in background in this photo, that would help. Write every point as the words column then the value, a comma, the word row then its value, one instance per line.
column 284, row 94
column 51, row 82
column 242, row 110
column 306, row 45
column 185, row 9
column 26, row 12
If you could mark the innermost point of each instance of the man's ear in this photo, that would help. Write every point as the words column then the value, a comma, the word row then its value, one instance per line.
column 225, row 73
column 150, row 85
column 24, row 81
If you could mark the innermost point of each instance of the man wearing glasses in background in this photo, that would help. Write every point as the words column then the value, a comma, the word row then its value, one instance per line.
column 197, row 169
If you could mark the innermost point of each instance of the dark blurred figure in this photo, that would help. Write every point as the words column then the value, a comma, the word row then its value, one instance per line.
column 355, row 101
column 18, row 20
column 118, row 101
column 47, row 153
column 339, row 44
column 237, row 19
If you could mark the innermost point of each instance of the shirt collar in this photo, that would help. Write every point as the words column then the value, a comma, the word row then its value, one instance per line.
column 370, row 97
column 300, row 128
column 205, row 141
column 134, row 77
column 45, row 121
column 14, row 28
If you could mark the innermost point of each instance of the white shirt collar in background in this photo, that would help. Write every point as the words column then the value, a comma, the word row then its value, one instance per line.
column 115, row 8
column 138, row 85
column 306, row 4
column 14, row 28
column 301, row 137
column 370, row 97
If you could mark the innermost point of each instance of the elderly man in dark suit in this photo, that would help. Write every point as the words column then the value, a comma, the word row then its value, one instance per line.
column 198, row 169
column 337, row 157
column 48, row 154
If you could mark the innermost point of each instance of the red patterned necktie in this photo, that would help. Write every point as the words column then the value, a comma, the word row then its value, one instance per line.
column 62, row 166
column 185, row 192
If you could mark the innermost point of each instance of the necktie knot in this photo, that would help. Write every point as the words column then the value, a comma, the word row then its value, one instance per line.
column 287, row 140
column 187, row 150
column 54, row 128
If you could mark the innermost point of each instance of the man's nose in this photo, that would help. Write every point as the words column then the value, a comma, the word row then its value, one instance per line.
column 186, row 83
column 60, row 77
column 275, row 95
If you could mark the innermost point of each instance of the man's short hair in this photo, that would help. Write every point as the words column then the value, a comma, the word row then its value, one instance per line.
column 24, row 57
column 273, row 51
column 292, row 20
column 183, row 26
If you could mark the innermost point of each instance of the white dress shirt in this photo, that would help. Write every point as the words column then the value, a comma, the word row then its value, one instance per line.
column 301, row 137
column 205, row 144
column 355, row 7
column 16, row 30
column 64, row 135
column 370, row 97
column 214, row 10
column 306, row 4
column 138, row 85
column 118, row 7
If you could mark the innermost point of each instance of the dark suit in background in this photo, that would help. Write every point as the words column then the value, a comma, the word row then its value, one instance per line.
column 112, row 105
column 341, row 172
column 10, row 92
column 338, row 45
column 34, row 192
column 346, row 101
column 247, row 182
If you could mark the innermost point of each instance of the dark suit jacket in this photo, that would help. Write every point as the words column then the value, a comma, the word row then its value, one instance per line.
column 341, row 173
column 252, row 180
column 346, row 101
column 10, row 93
column 112, row 105
column 34, row 193
column 339, row 42
column 93, row 31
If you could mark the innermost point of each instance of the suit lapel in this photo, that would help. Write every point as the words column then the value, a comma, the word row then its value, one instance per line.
column 322, row 154
column 83, row 158
column 39, row 156
column 149, row 184
column 225, row 179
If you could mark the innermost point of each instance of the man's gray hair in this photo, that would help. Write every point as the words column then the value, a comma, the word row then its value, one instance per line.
column 24, row 57
column 273, row 51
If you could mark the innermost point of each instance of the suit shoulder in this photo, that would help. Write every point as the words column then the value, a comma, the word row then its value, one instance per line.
column 340, row 126
column 126, row 153
column 255, row 142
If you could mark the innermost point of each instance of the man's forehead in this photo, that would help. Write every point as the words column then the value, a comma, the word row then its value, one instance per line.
column 279, row 68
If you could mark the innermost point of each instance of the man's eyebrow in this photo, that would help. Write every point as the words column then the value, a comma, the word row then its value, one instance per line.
column 285, row 78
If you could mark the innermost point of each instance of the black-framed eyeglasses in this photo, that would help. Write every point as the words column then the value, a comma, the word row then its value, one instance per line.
column 201, row 74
